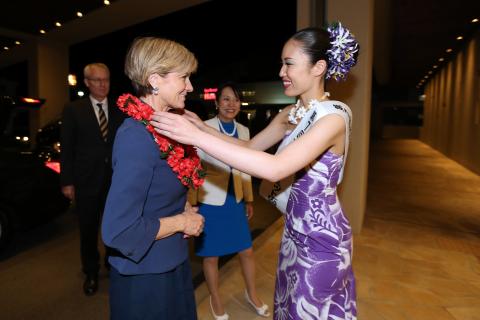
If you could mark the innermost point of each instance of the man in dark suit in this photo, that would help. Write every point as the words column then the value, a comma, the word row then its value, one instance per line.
column 87, row 133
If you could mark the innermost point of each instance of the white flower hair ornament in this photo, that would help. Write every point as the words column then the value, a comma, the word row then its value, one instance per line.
column 342, row 55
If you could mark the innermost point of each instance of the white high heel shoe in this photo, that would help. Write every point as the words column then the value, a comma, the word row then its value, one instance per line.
column 221, row 317
column 261, row 311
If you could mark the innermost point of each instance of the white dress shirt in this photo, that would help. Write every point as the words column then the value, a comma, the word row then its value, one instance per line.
column 104, row 103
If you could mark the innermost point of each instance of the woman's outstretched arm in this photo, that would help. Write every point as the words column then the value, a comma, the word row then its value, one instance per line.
column 268, row 137
column 327, row 133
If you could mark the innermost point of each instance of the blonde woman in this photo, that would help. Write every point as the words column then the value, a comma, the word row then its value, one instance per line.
column 146, row 218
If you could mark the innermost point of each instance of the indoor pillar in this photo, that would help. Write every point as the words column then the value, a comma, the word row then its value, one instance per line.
column 357, row 16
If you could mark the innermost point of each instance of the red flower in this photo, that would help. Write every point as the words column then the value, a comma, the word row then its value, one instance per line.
column 179, row 152
column 151, row 129
column 183, row 159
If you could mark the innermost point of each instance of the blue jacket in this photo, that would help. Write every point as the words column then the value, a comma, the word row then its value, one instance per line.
column 144, row 188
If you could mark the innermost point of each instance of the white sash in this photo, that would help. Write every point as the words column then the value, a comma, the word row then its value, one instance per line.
column 278, row 192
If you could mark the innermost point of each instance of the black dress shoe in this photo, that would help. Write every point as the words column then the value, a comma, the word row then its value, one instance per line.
column 90, row 286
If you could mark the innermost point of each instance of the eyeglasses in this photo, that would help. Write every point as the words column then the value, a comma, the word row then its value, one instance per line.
column 98, row 80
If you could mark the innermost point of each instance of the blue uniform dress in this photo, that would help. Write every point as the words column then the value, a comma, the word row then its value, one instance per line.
column 149, row 279
column 226, row 228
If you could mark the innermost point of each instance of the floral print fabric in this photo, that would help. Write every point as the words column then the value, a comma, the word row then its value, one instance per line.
column 314, row 276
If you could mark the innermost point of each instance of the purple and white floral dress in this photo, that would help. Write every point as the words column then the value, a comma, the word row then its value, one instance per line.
column 314, row 276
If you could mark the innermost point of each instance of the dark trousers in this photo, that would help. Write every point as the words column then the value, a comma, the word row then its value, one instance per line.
column 167, row 295
column 89, row 209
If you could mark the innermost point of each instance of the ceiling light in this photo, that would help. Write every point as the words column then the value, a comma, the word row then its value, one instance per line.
column 426, row 77
column 6, row 48
column 459, row 38
column 449, row 50
column 435, row 67
column 18, row 43
column 42, row 31
column 441, row 59
column 79, row 14
column 430, row 72
column 58, row 24
column 106, row 2
column 475, row 20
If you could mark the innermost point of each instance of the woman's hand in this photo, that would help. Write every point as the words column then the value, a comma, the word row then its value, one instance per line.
column 189, row 222
column 175, row 127
column 193, row 222
column 188, row 206
column 249, row 210
column 194, row 118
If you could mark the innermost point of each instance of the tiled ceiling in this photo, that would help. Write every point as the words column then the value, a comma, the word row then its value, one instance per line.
column 21, row 20
column 421, row 30
column 9, row 42
column 29, row 16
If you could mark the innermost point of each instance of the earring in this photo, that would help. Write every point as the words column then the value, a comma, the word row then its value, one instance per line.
column 155, row 90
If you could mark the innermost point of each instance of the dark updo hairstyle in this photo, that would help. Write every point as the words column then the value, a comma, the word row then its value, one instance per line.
column 336, row 45
column 229, row 84
column 315, row 43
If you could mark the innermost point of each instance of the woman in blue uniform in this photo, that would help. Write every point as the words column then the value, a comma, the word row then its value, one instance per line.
column 225, row 200
column 146, row 219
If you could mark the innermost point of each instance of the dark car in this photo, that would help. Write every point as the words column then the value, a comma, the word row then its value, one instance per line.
column 29, row 177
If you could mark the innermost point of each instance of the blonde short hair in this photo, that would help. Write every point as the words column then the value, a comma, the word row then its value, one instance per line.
column 149, row 55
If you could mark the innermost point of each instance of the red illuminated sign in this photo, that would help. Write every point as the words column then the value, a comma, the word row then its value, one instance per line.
column 209, row 93
column 209, row 96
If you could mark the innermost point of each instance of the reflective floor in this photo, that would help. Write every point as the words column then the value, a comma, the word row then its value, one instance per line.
column 417, row 256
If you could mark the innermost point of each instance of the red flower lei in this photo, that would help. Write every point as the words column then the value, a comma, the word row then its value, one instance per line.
column 183, row 159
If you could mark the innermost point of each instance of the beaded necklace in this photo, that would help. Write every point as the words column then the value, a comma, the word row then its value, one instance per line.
column 299, row 111
column 230, row 134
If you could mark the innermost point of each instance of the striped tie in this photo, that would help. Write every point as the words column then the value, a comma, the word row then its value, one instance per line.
column 102, row 121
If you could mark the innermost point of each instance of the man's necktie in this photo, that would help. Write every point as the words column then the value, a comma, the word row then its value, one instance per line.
column 102, row 121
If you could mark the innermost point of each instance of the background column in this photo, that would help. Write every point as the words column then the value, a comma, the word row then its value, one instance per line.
column 357, row 16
